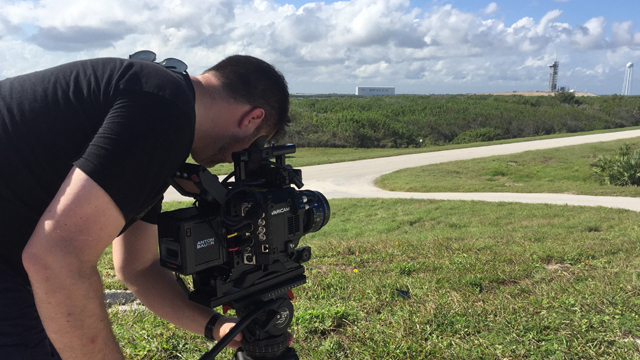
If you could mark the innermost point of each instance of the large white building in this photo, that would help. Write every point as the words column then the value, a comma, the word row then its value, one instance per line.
column 375, row 90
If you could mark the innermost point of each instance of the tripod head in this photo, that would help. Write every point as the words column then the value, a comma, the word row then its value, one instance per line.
column 265, row 319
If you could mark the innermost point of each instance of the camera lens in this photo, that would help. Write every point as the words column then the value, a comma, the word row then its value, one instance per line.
column 318, row 214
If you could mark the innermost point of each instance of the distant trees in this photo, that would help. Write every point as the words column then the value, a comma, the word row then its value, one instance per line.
column 403, row 120
column 567, row 97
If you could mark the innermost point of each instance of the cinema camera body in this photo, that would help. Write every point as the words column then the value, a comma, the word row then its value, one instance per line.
column 240, row 238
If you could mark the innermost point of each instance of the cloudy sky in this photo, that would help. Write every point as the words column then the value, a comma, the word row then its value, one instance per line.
column 418, row 46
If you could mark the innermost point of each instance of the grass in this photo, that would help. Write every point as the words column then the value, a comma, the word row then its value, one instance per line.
column 559, row 170
column 477, row 276
column 318, row 156
column 486, row 281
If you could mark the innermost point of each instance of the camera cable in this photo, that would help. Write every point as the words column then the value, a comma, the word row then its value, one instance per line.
column 211, row 354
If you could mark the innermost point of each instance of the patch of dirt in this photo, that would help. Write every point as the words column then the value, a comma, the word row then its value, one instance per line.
column 121, row 300
column 557, row 266
column 135, row 306
column 636, row 340
column 512, row 184
column 508, row 282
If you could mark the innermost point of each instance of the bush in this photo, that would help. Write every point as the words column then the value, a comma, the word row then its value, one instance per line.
column 401, row 120
column 620, row 170
column 479, row 135
column 567, row 97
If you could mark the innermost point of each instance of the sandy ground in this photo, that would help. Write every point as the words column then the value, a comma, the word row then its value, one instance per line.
column 356, row 179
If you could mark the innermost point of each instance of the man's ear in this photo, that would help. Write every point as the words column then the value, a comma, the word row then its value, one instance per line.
column 252, row 120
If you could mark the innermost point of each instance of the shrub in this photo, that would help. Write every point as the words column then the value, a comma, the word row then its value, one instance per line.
column 622, row 169
column 401, row 120
column 478, row 135
column 567, row 97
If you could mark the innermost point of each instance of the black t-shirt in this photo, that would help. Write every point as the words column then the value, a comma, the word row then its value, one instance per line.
column 127, row 124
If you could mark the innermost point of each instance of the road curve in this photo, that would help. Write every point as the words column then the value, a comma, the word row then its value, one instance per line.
column 355, row 179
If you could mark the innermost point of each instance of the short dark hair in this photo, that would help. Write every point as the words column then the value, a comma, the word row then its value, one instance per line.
column 249, row 80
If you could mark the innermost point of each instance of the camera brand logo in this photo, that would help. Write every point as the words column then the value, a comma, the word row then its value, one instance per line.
column 280, row 211
column 204, row 243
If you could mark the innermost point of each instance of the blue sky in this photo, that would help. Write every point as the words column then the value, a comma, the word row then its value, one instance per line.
column 420, row 47
column 575, row 11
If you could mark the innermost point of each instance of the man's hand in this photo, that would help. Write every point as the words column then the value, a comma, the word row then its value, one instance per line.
column 222, row 327
column 225, row 324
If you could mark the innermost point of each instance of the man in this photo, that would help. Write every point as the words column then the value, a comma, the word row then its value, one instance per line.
column 86, row 150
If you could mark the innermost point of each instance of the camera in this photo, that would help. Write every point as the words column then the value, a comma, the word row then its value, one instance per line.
column 240, row 239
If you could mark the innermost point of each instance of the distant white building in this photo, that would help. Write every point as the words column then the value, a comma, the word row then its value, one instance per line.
column 375, row 90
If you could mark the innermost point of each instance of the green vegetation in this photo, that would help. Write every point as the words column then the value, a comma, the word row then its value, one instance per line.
column 486, row 280
column 559, row 170
column 403, row 120
column 620, row 170
column 317, row 156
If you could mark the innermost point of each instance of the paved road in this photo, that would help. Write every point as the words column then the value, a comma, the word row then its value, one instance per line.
column 356, row 179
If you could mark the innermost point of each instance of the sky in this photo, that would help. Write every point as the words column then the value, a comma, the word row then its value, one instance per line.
column 417, row 46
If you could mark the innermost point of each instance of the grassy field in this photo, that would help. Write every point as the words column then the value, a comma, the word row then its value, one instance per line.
column 486, row 280
column 559, row 170
column 318, row 156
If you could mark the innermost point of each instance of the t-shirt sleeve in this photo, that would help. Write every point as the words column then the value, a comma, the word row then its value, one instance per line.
column 143, row 139
column 151, row 216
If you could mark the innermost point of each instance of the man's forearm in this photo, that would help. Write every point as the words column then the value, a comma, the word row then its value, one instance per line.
column 157, row 289
column 71, row 305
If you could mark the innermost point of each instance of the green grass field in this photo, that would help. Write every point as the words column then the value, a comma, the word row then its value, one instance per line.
column 559, row 170
column 318, row 156
column 487, row 280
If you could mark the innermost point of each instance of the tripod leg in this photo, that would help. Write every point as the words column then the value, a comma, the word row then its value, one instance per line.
column 288, row 354
column 239, row 355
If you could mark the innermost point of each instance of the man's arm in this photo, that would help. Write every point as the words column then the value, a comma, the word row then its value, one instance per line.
column 61, row 257
column 136, row 261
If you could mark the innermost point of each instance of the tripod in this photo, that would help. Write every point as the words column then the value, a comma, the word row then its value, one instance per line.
column 265, row 311
column 264, row 325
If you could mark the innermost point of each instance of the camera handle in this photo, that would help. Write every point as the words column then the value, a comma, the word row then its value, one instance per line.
column 267, row 336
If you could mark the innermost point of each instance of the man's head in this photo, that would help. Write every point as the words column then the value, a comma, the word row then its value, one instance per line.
column 251, row 81
column 238, row 100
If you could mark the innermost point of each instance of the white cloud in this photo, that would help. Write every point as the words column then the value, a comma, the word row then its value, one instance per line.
column 619, row 57
column 373, row 70
column 598, row 70
column 540, row 61
column 18, row 58
column 622, row 34
column 491, row 9
column 318, row 43
column 546, row 20
column 590, row 35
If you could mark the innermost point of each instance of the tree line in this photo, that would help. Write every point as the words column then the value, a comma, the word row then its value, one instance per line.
column 404, row 120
